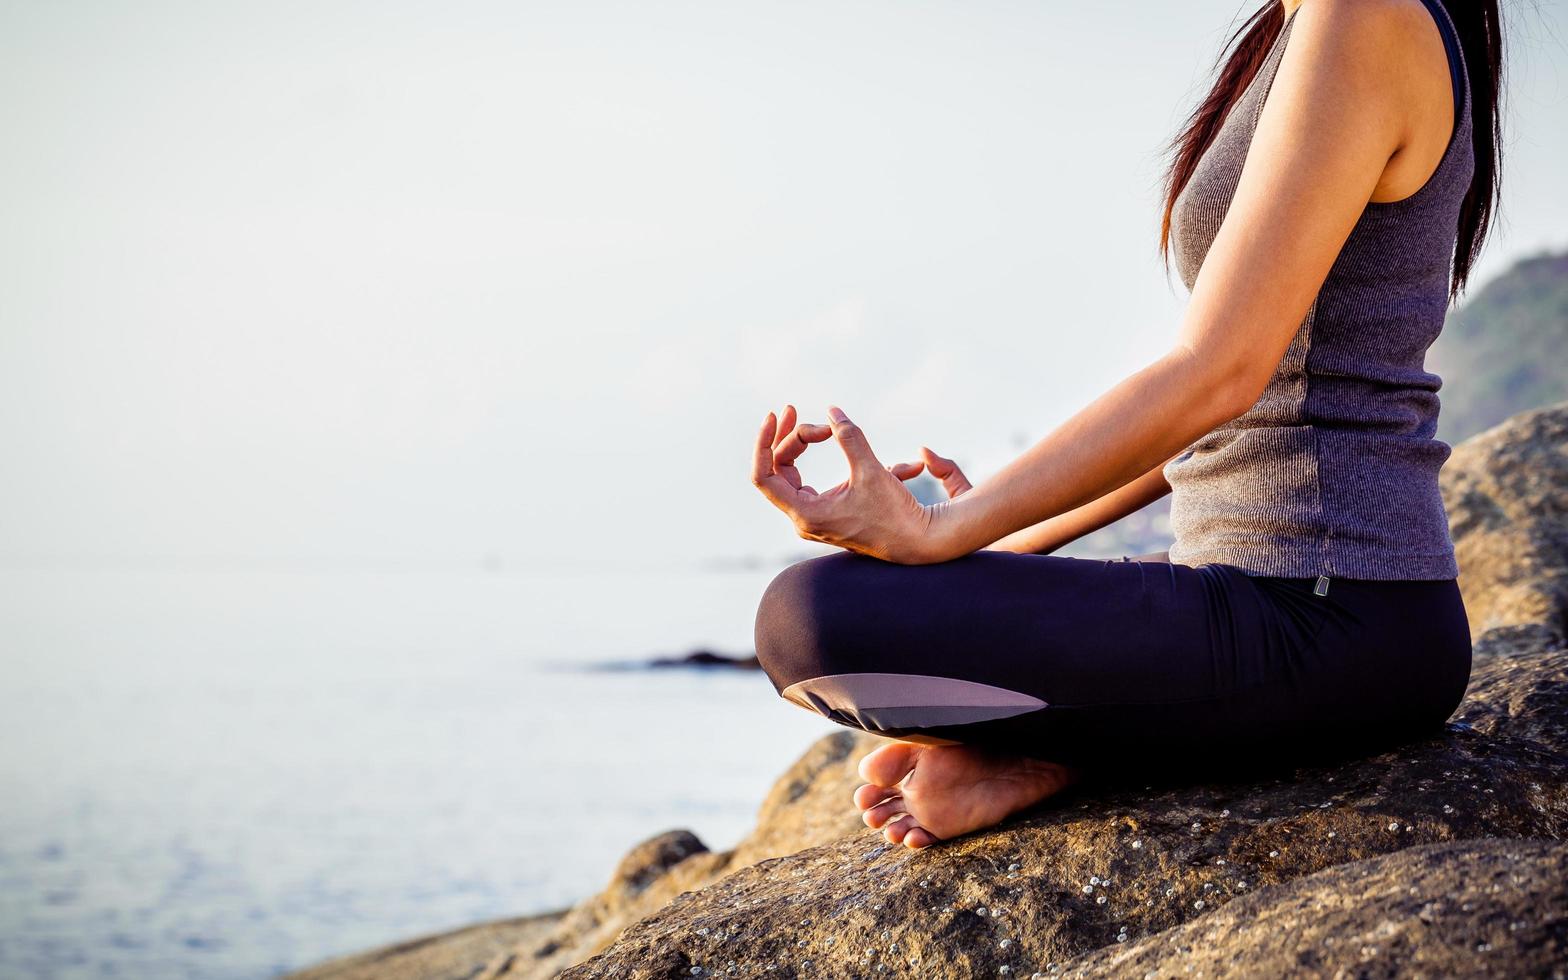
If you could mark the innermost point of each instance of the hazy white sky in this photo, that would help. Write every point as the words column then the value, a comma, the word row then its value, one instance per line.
column 431, row 281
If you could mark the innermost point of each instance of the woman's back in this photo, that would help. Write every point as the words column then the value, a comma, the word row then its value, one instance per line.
column 1334, row 470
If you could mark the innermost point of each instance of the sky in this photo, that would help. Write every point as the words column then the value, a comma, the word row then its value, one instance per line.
column 338, row 281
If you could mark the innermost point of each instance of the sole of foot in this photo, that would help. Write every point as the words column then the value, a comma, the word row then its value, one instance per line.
column 920, row 794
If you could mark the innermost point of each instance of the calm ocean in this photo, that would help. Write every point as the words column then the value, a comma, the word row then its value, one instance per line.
column 231, row 772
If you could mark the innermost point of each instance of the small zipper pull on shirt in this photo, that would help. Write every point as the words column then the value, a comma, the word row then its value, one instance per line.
column 1322, row 587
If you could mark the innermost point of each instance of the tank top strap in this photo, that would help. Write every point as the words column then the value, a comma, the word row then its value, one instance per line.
column 1258, row 91
column 1456, row 59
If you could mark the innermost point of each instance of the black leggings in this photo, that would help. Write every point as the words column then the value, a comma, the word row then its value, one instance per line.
column 1132, row 664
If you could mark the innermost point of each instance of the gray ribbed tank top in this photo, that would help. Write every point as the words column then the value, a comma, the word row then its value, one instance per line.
column 1334, row 470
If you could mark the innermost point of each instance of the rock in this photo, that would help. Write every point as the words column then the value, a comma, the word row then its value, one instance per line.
column 1506, row 492
column 460, row 955
column 809, row 805
column 707, row 658
column 1488, row 908
column 1029, row 893
column 1522, row 696
column 648, row 876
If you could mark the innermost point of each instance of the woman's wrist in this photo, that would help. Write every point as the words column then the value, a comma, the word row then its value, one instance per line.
column 953, row 529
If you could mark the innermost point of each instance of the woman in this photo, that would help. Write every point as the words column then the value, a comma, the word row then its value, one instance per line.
column 1324, row 206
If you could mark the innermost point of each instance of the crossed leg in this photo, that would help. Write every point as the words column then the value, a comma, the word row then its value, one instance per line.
column 1006, row 677
column 961, row 663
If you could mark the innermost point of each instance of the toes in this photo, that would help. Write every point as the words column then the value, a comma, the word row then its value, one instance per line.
column 883, row 812
column 887, row 765
column 871, row 794
column 899, row 827
column 918, row 837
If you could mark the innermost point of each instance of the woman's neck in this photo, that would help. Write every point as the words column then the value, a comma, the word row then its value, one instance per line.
column 1290, row 6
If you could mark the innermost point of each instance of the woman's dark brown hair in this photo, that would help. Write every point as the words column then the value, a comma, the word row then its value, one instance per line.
column 1481, row 38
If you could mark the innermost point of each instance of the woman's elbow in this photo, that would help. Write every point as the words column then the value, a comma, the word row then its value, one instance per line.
column 1218, row 388
column 1231, row 391
column 1236, row 397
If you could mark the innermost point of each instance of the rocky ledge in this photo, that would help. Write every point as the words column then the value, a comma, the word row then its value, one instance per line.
column 1442, row 857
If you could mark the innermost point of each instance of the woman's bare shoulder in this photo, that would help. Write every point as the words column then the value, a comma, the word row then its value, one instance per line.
column 1393, row 52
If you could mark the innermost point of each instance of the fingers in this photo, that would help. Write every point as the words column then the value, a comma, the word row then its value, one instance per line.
column 762, row 452
column 940, row 466
column 795, row 442
column 952, row 478
column 790, row 440
column 853, row 441
column 763, row 475
column 786, row 423
column 944, row 469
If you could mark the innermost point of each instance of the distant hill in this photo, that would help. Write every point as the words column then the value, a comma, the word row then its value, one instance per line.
column 1503, row 351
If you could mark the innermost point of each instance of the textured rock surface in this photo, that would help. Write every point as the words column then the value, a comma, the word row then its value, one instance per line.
column 1490, row 908
column 1521, row 696
column 648, row 876
column 1506, row 491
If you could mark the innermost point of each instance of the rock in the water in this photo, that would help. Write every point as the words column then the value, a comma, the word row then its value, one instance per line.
column 1506, row 492
column 707, row 658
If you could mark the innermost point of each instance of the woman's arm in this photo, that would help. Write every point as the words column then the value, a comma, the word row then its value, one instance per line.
column 1054, row 532
column 1339, row 109
column 1351, row 92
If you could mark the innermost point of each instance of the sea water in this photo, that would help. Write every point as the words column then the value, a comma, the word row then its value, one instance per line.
column 231, row 771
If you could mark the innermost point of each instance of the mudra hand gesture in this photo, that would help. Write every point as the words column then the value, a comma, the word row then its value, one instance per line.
column 872, row 512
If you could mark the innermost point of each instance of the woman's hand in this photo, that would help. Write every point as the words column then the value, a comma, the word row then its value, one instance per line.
column 871, row 513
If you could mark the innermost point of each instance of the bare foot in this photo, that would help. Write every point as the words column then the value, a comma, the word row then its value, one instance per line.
column 920, row 794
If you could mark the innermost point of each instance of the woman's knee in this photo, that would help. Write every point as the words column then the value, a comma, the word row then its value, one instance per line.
column 794, row 630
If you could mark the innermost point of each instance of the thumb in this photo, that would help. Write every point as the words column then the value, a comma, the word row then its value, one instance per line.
column 852, row 441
